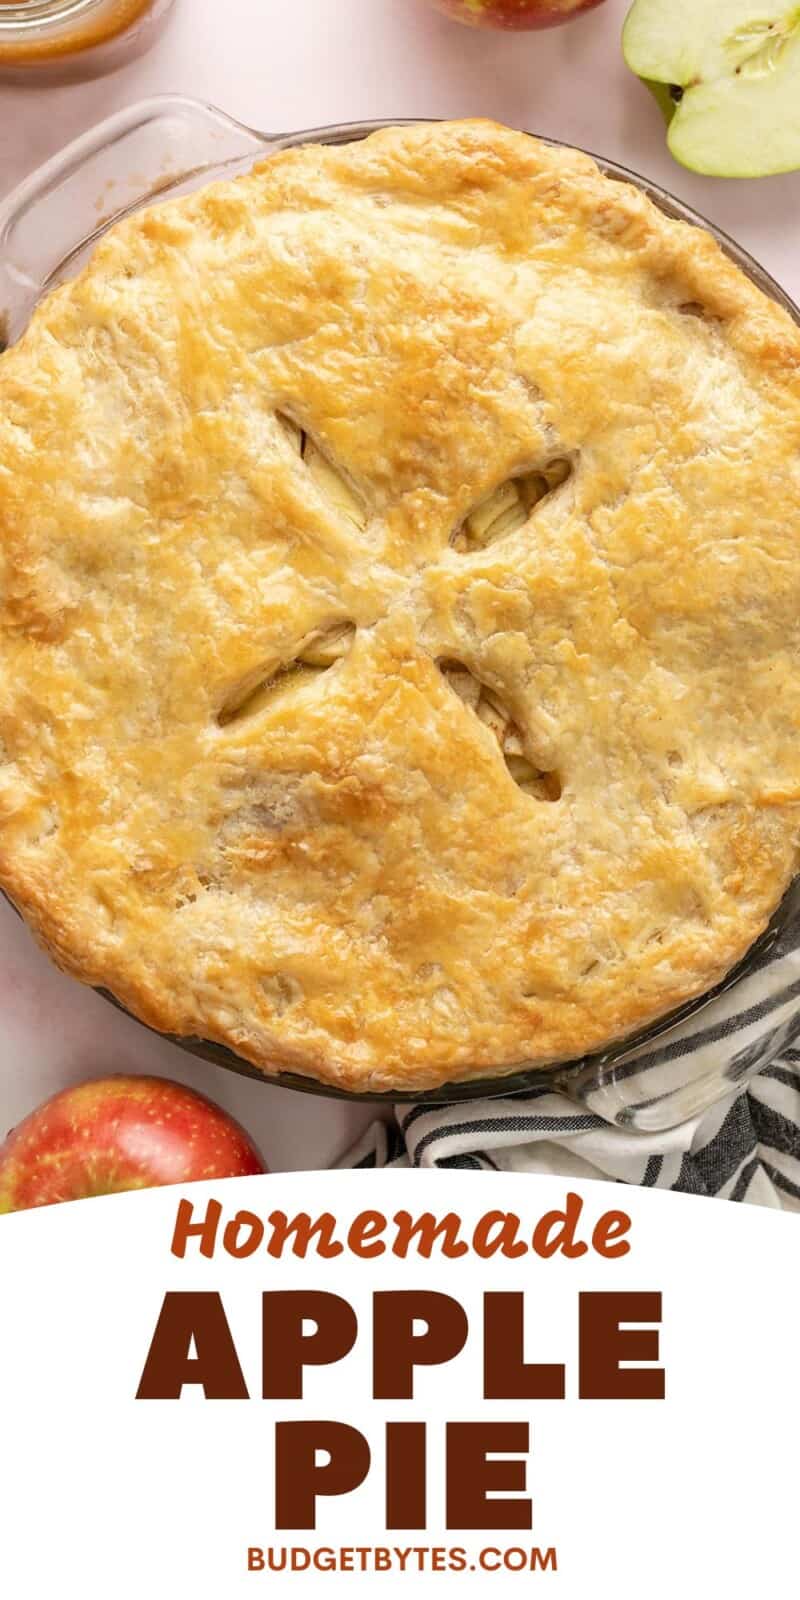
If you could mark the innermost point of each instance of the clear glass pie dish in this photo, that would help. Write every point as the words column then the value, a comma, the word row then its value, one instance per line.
column 164, row 147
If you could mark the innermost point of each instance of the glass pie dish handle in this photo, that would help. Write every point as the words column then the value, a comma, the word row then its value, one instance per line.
column 57, row 213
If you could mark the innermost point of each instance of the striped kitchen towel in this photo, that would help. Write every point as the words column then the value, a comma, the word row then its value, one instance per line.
column 747, row 1147
column 616, row 1119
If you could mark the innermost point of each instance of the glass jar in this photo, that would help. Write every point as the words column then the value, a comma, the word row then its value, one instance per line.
column 60, row 40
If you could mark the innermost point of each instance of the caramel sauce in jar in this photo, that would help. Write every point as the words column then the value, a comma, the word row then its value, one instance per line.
column 63, row 39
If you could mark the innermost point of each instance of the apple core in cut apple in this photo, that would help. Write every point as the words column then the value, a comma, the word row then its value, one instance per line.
column 514, row 14
column 118, row 1133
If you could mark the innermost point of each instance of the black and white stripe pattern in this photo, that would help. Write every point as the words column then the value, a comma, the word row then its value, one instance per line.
column 747, row 1147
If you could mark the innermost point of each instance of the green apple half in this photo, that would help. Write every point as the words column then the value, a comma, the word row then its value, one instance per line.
column 726, row 73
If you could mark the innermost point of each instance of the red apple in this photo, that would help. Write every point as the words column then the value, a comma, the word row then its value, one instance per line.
column 119, row 1133
column 514, row 13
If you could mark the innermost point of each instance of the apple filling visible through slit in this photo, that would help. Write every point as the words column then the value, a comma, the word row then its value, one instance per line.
column 327, row 478
column 318, row 652
column 508, row 507
column 493, row 714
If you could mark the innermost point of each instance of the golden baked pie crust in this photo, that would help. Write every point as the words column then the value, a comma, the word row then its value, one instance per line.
column 293, row 757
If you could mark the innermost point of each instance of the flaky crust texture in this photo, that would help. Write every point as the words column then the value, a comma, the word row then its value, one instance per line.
column 342, row 876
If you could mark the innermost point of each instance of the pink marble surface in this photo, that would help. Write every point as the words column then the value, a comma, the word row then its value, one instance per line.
column 279, row 67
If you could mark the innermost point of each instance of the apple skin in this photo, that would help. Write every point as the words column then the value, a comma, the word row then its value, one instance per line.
column 518, row 14
column 117, row 1133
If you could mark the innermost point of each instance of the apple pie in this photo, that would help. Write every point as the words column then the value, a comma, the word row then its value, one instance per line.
column 400, row 611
